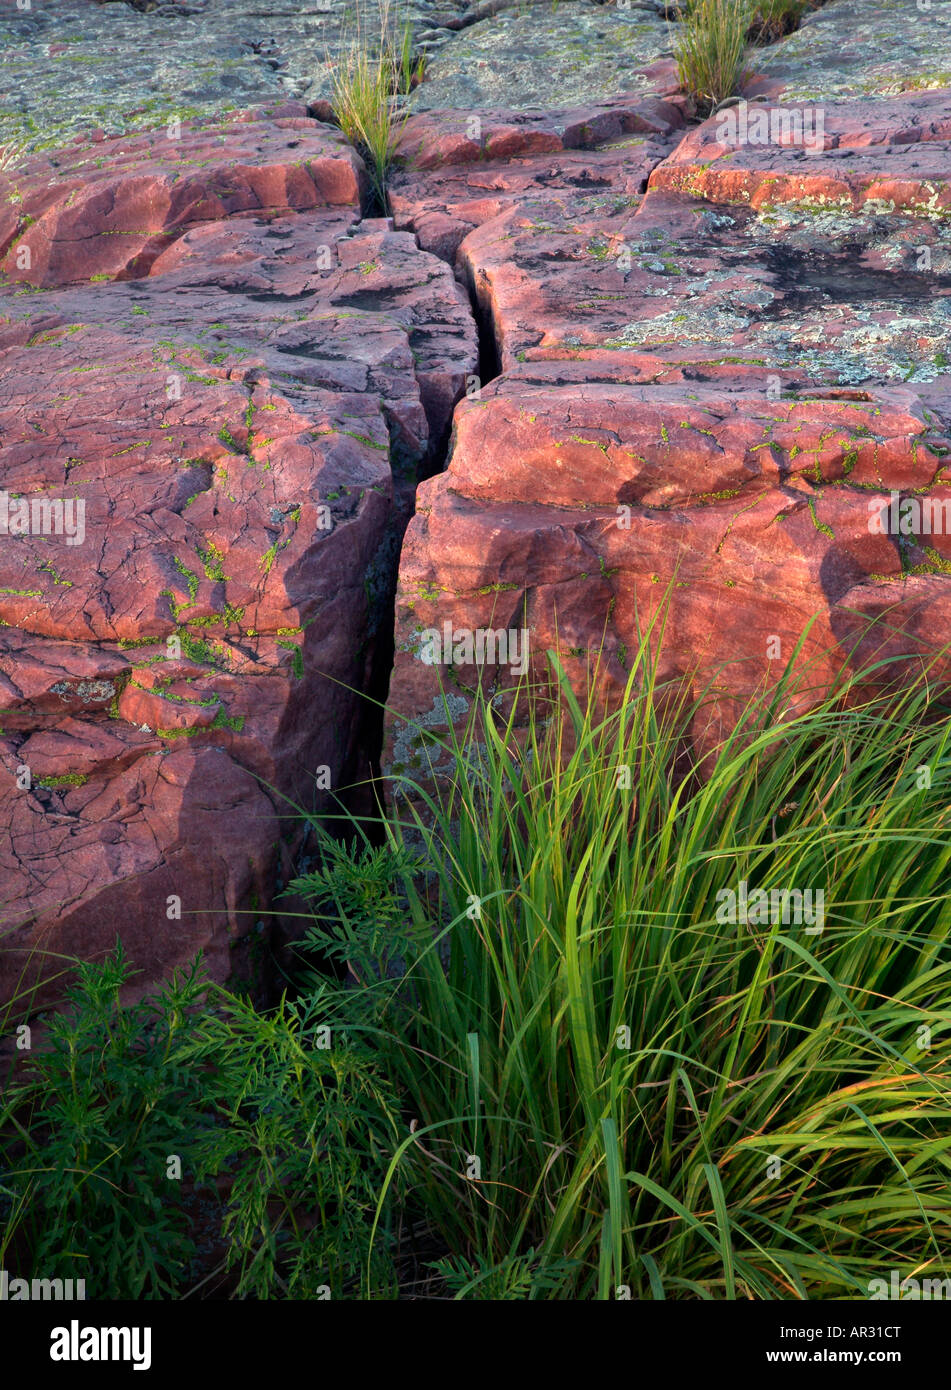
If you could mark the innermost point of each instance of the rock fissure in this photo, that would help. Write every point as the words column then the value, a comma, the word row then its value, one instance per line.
column 626, row 383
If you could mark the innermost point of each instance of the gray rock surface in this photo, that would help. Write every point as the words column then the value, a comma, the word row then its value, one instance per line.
column 72, row 65
column 877, row 48
column 67, row 65
column 548, row 54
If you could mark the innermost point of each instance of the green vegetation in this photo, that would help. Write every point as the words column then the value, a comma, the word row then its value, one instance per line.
column 527, row 1026
column 367, row 80
column 130, row 1122
column 770, row 20
column 710, row 50
column 626, row 1067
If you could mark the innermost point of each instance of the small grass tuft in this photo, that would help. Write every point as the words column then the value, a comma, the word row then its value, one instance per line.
column 367, row 82
column 711, row 49
column 771, row 20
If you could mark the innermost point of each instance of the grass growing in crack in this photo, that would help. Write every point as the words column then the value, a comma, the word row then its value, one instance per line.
column 366, row 81
column 711, row 47
column 608, row 1085
column 559, row 1055
column 408, row 71
column 771, row 20
column 710, row 50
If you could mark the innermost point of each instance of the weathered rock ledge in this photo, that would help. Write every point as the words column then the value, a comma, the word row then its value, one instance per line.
column 702, row 367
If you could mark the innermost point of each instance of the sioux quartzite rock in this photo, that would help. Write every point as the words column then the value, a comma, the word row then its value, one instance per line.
column 720, row 364
column 216, row 451
column 714, row 390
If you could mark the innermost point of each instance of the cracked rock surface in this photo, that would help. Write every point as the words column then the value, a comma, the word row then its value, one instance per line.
column 716, row 366
column 700, row 366
column 238, row 379
column 72, row 65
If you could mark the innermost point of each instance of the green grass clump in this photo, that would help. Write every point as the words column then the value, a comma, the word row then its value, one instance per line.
column 611, row 1088
column 406, row 71
column 366, row 81
column 710, row 50
column 770, row 20
column 529, row 1035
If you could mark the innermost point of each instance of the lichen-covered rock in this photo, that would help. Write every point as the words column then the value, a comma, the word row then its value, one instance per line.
column 458, row 171
column 890, row 155
column 97, row 211
column 550, row 55
column 76, row 65
column 825, row 282
column 720, row 371
column 872, row 48
column 69, row 66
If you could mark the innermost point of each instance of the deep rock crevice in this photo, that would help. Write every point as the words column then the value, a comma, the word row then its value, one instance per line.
column 690, row 395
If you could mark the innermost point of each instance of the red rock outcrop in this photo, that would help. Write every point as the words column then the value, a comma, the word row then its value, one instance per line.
column 461, row 169
column 893, row 154
column 719, row 373
column 215, row 449
column 109, row 209
column 709, row 393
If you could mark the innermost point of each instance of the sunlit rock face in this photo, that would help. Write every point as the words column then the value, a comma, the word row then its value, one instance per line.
column 630, row 358
column 714, row 394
